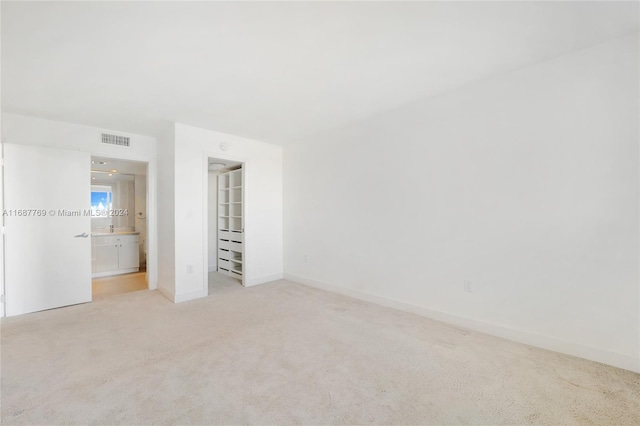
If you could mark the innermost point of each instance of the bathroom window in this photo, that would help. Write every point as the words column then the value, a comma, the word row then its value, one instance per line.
column 101, row 200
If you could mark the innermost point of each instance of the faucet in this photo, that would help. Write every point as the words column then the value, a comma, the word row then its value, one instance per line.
column 111, row 228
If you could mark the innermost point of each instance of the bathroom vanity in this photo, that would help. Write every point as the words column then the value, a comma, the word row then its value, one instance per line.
column 115, row 253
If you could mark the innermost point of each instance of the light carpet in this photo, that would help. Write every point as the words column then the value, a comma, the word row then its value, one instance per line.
column 283, row 353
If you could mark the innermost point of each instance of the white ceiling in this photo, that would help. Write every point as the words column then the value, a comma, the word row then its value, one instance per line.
column 228, row 165
column 273, row 71
column 130, row 167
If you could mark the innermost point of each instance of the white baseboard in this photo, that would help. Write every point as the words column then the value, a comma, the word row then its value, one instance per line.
column 533, row 339
column 166, row 293
column 185, row 297
column 263, row 280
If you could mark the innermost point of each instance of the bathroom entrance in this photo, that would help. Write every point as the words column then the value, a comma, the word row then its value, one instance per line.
column 118, row 226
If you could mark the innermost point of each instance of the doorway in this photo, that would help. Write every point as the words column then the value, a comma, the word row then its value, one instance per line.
column 118, row 226
column 225, row 217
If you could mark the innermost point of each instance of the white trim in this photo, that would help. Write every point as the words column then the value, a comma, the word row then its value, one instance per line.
column 152, row 228
column 263, row 280
column 185, row 297
column 205, row 224
column 533, row 339
column 114, row 273
column 168, row 294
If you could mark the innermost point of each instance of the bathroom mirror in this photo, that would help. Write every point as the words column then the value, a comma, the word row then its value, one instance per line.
column 112, row 201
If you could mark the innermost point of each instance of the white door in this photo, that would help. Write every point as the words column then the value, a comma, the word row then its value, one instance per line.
column 48, row 236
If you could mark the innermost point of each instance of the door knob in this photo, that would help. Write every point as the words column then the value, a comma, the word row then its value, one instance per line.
column 83, row 235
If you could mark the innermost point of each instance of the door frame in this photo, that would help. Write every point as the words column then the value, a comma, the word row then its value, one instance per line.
column 2, row 224
column 152, row 230
column 205, row 214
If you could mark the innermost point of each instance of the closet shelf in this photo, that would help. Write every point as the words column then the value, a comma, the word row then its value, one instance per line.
column 231, row 223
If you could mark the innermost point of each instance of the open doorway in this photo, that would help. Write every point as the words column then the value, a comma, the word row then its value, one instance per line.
column 225, row 216
column 118, row 226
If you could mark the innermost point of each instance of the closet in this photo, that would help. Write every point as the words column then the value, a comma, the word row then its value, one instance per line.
column 231, row 223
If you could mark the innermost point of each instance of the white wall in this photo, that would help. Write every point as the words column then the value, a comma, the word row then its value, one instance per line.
column 37, row 131
column 20, row 129
column 263, row 207
column 166, row 213
column 140, row 205
column 526, row 185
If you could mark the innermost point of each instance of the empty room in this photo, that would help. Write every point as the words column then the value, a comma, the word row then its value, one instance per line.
column 395, row 213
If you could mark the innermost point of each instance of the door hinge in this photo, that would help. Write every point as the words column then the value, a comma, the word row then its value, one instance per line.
column 1, row 162
column 3, row 230
column 1, row 298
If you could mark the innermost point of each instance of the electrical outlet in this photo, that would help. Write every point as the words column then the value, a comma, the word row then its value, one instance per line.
column 189, row 269
column 467, row 286
column 306, row 258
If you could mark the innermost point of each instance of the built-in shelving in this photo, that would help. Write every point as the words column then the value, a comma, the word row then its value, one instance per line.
column 231, row 223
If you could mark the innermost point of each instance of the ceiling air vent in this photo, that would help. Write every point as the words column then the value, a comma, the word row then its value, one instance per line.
column 116, row 140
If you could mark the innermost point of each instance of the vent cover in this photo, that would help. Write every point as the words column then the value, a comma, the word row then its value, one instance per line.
column 116, row 140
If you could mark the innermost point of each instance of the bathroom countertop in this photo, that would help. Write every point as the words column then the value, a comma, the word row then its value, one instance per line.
column 102, row 234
